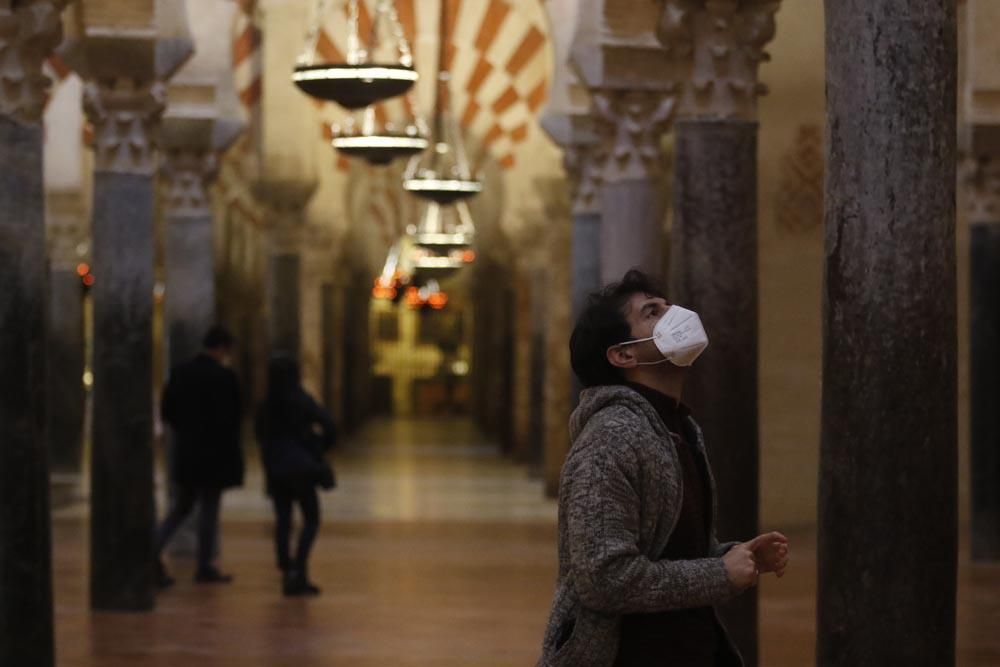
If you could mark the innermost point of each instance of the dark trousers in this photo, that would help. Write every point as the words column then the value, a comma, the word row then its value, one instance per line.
column 285, row 496
column 207, row 500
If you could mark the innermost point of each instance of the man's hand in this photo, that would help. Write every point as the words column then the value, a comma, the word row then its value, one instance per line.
column 770, row 552
column 740, row 567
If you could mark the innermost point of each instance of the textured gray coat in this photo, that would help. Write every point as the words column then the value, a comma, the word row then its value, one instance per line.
column 619, row 500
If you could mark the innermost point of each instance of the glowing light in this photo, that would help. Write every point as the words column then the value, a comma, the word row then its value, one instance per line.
column 82, row 269
column 88, row 280
column 468, row 256
column 432, row 239
column 88, row 379
column 376, row 142
column 355, row 73
column 442, row 185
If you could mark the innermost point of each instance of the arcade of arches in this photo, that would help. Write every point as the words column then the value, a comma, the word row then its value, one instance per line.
column 819, row 183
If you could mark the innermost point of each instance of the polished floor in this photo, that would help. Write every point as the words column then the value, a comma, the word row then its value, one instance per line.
column 434, row 552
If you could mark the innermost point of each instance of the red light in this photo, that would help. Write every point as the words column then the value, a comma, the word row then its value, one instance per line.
column 469, row 256
column 82, row 269
column 88, row 280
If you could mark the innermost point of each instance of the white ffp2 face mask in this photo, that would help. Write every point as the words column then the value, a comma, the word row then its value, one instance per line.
column 679, row 336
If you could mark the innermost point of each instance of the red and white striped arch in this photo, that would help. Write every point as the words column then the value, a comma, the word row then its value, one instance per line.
column 499, row 57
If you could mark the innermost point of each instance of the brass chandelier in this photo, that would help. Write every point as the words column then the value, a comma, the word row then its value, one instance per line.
column 360, row 80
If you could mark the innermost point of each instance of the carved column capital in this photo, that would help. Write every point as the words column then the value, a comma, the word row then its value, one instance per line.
column 630, row 124
column 187, row 175
column 125, row 114
column 982, row 189
column 722, row 43
column 29, row 31
column 585, row 177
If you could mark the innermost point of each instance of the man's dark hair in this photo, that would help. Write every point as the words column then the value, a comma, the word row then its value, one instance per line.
column 218, row 337
column 602, row 324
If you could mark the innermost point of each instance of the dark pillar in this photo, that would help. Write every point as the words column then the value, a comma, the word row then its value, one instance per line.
column 888, row 475
column 586, row 267
column 633, row 236
column 124, row 115
column 715, row 274
column 285, row 323
column 190, row 274
column 984, row 363
column 25, row 549
column 64, row 392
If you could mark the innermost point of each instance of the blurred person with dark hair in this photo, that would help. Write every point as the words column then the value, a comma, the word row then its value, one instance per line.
column 294, row 433
column 202, row 404
column 640, row 568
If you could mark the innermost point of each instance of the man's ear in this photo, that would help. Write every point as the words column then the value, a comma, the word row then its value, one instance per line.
column 622, row 356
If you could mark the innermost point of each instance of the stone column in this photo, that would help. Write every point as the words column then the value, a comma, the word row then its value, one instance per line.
column 630, row 122
column 718, row 47
column 285, row 203
column 125, row 114
column 189, row 260
column 125, row 61
column 888, row 474
column 28, row 33
column 983, row 194
column 65, row 397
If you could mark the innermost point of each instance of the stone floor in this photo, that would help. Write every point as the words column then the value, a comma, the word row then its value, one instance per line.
column 434, row 552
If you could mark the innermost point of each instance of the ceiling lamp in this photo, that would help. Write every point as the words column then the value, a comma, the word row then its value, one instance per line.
column 442, row 174
column 379, row 146
column 361, row 80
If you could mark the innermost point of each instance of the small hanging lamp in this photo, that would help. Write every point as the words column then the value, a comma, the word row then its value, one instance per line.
column 442, row 174
column 361, row 80
column 380, row 146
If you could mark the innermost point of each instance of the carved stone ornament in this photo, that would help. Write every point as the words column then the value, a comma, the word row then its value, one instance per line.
column 29, row 31
column 982, row 189
column 187, row 175
column 630, row 124
column 798, row 202
column 125, row 115
column 584, row 177
column 723, row 41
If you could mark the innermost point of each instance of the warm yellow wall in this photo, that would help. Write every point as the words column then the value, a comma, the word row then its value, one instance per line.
column 791, row 273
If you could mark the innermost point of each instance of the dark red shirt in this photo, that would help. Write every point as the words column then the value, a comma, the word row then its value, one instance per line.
column 685, row 637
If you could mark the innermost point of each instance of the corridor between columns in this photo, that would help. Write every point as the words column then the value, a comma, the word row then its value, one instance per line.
column 434, row 551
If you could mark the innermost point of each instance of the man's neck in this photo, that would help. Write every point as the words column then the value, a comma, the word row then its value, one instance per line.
column 667, row 381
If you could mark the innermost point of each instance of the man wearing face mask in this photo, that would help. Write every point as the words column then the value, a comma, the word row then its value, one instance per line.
column 640, row 568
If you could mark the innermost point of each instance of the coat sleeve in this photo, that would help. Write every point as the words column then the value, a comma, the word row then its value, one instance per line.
column 611, row 574
column 169, row 401
column 327, row 429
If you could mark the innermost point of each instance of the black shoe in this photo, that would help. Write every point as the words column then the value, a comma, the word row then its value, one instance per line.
column 212, row 576
column 163, row 578
column 296, row 584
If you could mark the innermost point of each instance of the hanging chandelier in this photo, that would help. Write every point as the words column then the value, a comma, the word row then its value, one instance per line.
column 442, row 174
column 442, row 241
column 379, row 146
column 361, row 80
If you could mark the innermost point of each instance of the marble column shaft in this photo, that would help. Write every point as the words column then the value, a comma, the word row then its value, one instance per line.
column 26, row 627
column 984, row 368
column 888, row 471
column 65, row 396
column 286, row 270
column 122, row 512
column 714, row 272
column 631, row 228
column 190, row 259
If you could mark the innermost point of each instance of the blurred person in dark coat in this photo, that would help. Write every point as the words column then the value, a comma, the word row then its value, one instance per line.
column 202, row 405
column 294, row 433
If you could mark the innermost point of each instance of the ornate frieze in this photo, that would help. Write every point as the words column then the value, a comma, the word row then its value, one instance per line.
column 722, row 42
column 798, row 202
column 982, row 189
column 29, row 31
column 630, row 124
column 125, row 115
